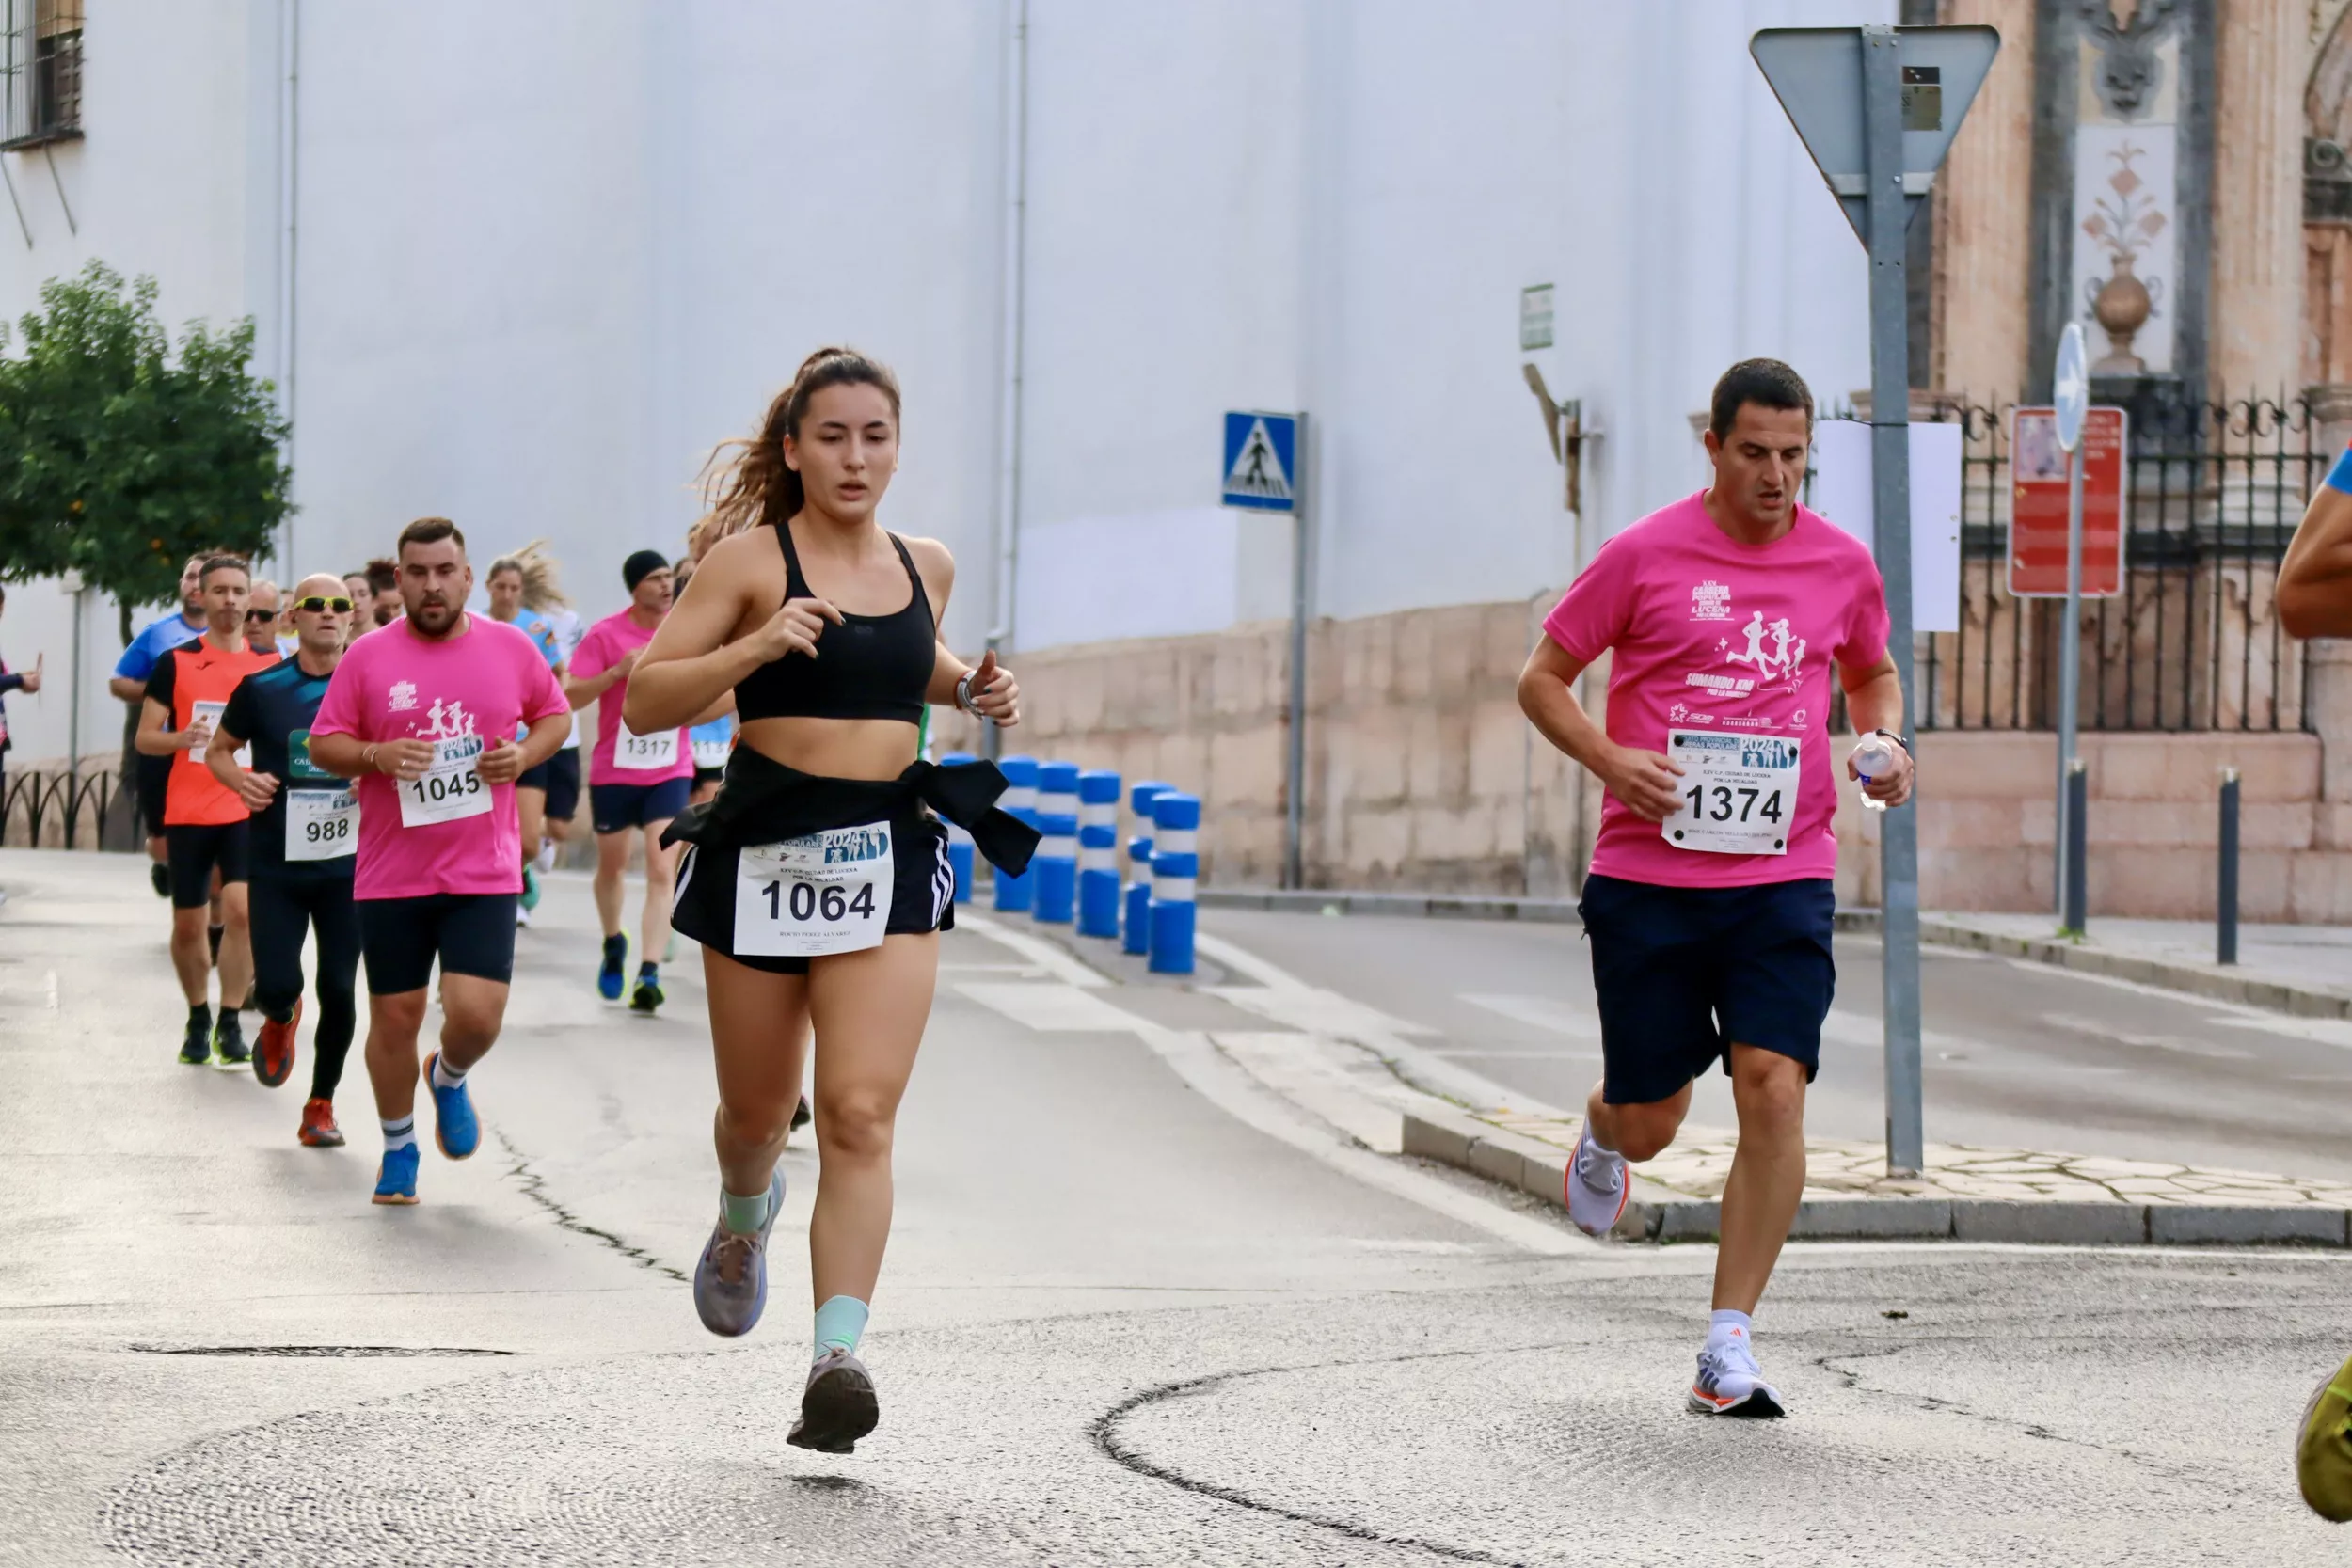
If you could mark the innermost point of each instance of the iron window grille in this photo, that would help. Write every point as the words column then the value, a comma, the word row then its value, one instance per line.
column 40, row 72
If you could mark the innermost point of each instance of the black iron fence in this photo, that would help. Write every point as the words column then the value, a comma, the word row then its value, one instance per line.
column 2213, row 493
column 49, row 808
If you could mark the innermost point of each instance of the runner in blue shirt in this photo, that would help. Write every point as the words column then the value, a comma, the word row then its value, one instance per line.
column 129, row 685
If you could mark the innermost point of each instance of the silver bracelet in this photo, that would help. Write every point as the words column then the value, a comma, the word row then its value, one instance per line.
column 963, row 693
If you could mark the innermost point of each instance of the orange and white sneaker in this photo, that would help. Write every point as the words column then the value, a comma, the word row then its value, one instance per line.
column 318, row 1129
column 1730, row 1383
column 274, row 1048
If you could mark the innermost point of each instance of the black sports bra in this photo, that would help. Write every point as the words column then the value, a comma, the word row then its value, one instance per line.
column 869, row 666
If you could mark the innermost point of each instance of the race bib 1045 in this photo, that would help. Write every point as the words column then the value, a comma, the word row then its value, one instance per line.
column 1738, row 792
column 450, row 790
column 825, row 893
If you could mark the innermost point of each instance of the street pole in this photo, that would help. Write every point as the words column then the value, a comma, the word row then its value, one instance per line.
column 2070, row 673
column 1295, row 759
column 1889, row 217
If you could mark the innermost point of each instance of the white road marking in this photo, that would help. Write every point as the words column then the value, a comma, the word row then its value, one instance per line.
column 1037, row 950
column 1220, row 1079
column 1050, row 1006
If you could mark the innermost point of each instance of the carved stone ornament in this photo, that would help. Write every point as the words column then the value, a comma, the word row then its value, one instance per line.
column 2127, row 49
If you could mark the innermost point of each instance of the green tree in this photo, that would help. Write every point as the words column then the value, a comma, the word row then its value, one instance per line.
column 120, row 457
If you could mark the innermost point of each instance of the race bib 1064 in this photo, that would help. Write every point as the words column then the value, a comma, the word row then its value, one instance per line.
column 645, row 754
column 450, row 790
column 825, row 893
column 1738, row 792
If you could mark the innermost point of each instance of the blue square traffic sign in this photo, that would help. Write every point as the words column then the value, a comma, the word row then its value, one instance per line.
column 1262, row 460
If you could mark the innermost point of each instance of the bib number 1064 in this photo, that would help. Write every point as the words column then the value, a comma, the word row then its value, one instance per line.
column 802, row 902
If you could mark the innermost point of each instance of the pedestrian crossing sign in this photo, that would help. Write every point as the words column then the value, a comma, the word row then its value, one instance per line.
column 1262, row 460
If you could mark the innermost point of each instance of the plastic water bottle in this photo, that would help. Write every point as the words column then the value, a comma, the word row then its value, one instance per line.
column 1874, row 756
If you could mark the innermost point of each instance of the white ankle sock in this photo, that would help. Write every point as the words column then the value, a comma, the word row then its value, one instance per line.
column 1729, row 1327
column 400, row 1134
column 444, row 1076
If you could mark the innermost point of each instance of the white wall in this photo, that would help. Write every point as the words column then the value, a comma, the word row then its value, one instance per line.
column 551, row 251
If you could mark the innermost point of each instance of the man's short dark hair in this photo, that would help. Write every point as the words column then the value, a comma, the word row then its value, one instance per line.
column 428, row 530
column 1765, row 382
column 221, row 563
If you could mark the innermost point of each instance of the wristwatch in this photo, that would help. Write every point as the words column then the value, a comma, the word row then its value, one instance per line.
column 963, row 694
column 1896, row 738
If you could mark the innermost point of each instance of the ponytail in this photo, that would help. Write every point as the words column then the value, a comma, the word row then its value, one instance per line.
column 747, row 484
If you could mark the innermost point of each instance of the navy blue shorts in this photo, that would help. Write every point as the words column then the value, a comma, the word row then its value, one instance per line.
column 616, row 808
column 1682, row 973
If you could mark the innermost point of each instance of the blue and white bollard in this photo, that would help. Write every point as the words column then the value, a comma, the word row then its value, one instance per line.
column 959, row 840
column 1098, row 853
column 1139, row 902
column 1056, row 867
column 1175, row 879
column 1019, row 803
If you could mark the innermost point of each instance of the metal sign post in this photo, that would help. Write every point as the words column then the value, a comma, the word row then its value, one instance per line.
column 2070, row 389
column 1876, row 108
column 1262, row 460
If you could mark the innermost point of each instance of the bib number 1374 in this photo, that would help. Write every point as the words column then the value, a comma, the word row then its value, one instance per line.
column 1738, row 792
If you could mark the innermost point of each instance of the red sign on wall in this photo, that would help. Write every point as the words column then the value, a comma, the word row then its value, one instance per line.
column 2037, row 525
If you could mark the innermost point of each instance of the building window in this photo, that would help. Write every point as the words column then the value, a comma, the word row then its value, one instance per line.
column 40, row 72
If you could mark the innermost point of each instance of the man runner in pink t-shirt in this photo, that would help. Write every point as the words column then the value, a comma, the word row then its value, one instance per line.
column 1709, row 906
column 424, row 713
column 636, row 782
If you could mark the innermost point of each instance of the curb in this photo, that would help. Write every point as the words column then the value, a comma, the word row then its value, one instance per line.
column 1411, row 906
column 2212, row 981
column 1656, row 1213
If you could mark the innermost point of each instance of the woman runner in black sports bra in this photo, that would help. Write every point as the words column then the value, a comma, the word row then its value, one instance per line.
column 818, row 881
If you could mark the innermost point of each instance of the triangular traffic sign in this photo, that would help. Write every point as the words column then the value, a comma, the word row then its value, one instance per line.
column 1816, row 72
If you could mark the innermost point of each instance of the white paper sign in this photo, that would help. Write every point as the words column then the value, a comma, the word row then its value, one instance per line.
column 1841, row 492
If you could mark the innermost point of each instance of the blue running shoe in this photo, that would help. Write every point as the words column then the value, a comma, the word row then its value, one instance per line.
column 731, row 1280
column 615, row 969
column 453, row 1125
column 396, row 1178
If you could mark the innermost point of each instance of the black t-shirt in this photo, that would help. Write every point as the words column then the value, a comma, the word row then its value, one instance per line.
column 271, row 710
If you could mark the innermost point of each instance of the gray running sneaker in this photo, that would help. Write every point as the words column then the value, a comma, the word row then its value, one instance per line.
column 1595, row 1187
column 731, row 1280
column 838, row 1406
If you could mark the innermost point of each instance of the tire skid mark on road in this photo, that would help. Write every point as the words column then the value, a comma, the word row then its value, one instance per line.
column 535, row 1187
column 2167, row 1469
column 1107, row 1437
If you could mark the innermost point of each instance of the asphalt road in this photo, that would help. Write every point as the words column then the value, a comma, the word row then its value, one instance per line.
column 1127, row 1318
column 2017, row 1054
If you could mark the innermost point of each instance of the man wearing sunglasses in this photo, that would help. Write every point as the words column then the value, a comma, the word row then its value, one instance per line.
column 304, row 835
column 204, row 821
column 260, row 619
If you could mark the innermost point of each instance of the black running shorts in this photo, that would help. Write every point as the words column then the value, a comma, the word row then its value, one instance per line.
column 922, row 893
column 195, row 851
column 471, row 933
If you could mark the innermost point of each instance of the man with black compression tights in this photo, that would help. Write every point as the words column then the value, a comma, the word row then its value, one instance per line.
column 423, row 714
column 204, row 821
column 304, row 835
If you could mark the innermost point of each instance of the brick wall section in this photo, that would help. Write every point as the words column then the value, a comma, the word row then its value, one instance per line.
column 1422, row 775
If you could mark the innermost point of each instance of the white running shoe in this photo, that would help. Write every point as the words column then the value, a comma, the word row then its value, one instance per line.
column 522, row 916
column 1595, row 1186
column 1730, row 1383
column 547, row 857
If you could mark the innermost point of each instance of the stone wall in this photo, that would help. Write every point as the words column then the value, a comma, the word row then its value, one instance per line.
column 1421, row 774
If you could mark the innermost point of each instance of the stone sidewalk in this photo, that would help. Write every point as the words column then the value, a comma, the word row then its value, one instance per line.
column 1977, row 1195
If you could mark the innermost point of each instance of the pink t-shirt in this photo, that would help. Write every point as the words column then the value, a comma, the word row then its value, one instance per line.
column 1713, row 635
column 393, row 684
column 607, row 643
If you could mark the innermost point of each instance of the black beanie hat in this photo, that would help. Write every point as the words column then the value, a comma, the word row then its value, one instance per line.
column 638, row 567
